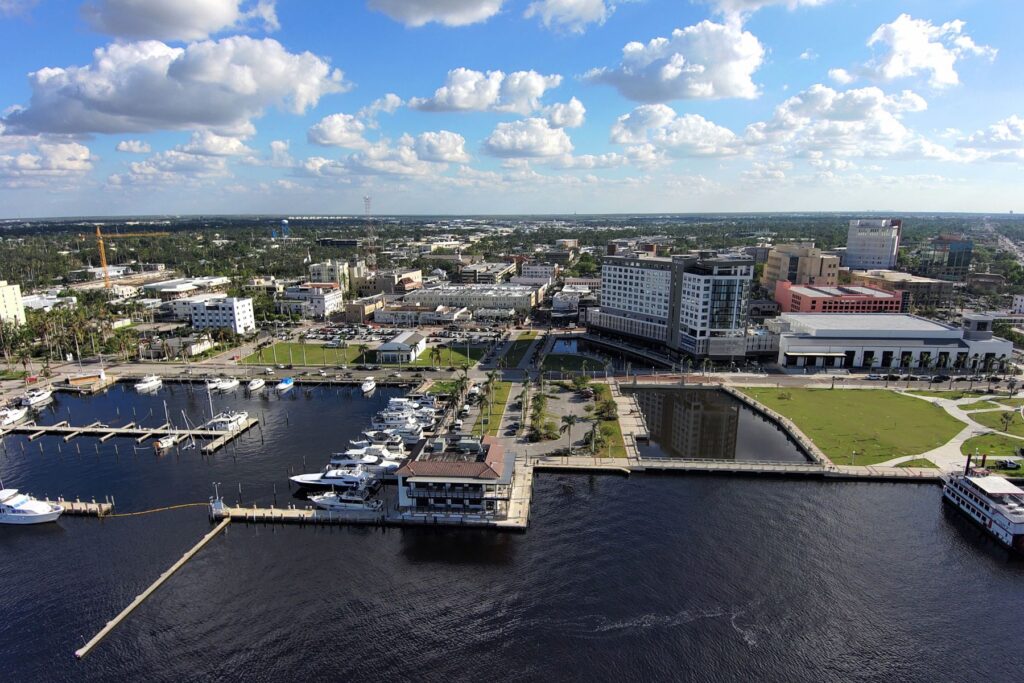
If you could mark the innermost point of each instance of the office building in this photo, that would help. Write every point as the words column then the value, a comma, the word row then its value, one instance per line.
column 800, row 264
column 411, row 316
column 226, row 313
column 918, row 292
column 395, row 281
column 332, row 270
column 12, row 310
column 947, row 257
column 873, row 243
column 485, row 273
column 521, row 298
column 313, row 300
column 848, row 299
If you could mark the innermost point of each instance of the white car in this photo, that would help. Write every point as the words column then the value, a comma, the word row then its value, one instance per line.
column 268, row 371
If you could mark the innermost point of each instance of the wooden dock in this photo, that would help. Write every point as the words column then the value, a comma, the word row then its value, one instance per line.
column 217, row 438
column 293, row 515
column 79, row 508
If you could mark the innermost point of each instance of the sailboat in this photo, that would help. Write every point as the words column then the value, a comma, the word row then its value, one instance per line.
column 166, row 442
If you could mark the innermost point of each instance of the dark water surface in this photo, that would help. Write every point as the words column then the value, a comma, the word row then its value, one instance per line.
column 640, row 578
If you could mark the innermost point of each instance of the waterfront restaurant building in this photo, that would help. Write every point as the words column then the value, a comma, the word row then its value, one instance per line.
column 403, row 348
column 887, row 341
column 457, row 477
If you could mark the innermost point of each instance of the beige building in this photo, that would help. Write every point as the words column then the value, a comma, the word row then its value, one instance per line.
column 921, row 292
column 800, row 264
column 522, row 298
column 11, row 307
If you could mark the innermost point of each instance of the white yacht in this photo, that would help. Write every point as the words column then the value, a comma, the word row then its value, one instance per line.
column 36, row 397
column 149, row 383
column 344, row 478
column 18, row 508
column 368, row 385
column 227, row 384
column 393, row 419
column 285, row 385
column 212, row 384
column 410, row 434
column 12, row 414
column 385, row 438
column 375, row 459
column 255, row 385
column 228, row 421
column 165, row 442
column 358, row 499
column 993, row 502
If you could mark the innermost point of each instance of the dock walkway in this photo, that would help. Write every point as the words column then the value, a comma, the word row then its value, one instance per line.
column 218, row 438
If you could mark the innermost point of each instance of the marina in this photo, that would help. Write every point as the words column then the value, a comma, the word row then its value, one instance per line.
column 218, row 438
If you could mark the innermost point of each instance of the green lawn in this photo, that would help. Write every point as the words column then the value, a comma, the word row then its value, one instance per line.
column 981, row 405
column 318, row 355
column 517, row 349
column 953, row 395
column 997, row 447
column 878, row 424
column 1011, row 402
column 994, row 420
column 497, row 409
column 442, row 386
column 614, row 445
column 564, row 361
column 13, row 374
column 918, row 462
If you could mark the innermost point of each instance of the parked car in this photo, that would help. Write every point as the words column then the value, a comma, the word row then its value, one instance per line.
column 874, row 377
column 1009, row 465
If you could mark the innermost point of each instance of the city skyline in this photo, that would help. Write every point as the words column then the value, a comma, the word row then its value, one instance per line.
column 504, row 106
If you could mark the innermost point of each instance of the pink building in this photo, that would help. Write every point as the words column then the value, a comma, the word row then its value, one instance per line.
column 844, row 299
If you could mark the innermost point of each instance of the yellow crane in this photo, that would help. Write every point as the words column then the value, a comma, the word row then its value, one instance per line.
column 103, row 252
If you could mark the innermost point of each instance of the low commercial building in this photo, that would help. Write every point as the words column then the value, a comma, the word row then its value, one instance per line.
column 396, row 281
column 850, row 299
column 228, row 313
column 521, row 298
column 313, row 300
column 457, row 476
column 884, row 341
column 182, row 287
column 403, row 348
column 592, row 283
column 12, row 308
column 411, row 316
column 363, row 309
column 181, row 309
column 486, row 273
column 97, row 273
column 919, row 292
column 48, row 301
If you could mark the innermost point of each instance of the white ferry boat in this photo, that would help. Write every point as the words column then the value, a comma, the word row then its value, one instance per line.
column 368, row 385
column 993, row 502
column 345, row 478
column 18, row 508
column 12, row 414
column 358, row 499
column 227, row 384
column 36, row 397
column 228, row 421
column 149, row 383
column 255, row 385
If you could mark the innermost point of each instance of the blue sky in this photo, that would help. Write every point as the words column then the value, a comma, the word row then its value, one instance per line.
column 509, row 106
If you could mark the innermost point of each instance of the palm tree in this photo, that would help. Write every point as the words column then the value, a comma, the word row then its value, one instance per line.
column 363, row 349
column 1007, row 419
column 568, row 422
column 435, row 356
column 593, row 436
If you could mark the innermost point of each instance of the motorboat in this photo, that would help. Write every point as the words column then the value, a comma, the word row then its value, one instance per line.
column 255, row 385
column 228, row 421
column 368, row 385
column 376, row 459
column 386, row 438
column 285, row 385
column 212, row 384
column 20, row 508
column 342, row 478
column 358, row 499
column 227, row 384
column 165, row 442
column 149, row 383
column 12, row 414
column 36, row 397
column 393, row 419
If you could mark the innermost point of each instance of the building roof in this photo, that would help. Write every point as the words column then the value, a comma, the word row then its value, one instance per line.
column 895, row 276
column 881, row 322
column 818, row 292
column 407, row 338
column 996, row 485
column 453, row 463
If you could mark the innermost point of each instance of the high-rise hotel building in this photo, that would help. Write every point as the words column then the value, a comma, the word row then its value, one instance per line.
column 873, row 243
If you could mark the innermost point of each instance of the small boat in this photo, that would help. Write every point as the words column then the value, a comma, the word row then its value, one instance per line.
column 12, row 414
column 358, row 499
column 285, row 385
column 36, row 397
column 368, row 385
column 227, row 384
column 228, row 421
column 165, row 442
column 344, row 478
column 149, row 383
column 212, row 384
column 19, row 508
column 255, row 385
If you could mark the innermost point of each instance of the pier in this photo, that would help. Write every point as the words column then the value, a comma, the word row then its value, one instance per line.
column 217, row 438
column 84, row 509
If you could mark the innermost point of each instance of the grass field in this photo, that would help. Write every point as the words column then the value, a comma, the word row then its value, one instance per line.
column 497, row 409
column 878, row 424
column 918, row 462
column 614, row 445
column 564, row 361
column 996, row 445
column 318, row 355
column 517, row 349
column 953, row 395
column 442, row 386
column 994, row 420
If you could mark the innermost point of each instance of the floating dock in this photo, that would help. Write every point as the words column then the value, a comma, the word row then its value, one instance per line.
column 84, row 509
column 217, row 438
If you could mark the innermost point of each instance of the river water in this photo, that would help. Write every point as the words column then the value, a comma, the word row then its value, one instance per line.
column 650, row 577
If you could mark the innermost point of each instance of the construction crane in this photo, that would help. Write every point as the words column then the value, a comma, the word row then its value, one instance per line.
column 103, row 251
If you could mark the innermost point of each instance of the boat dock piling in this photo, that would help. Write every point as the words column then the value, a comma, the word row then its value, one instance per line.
column 113, row 623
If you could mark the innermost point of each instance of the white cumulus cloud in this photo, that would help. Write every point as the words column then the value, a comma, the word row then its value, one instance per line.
column 841, row 76
column 569, row 15
column 208, row 143
column 704, row 61
column 145, row 86
column 176, row 19
column 134, row 147
column 741, row 7
column 45, row 164
column 338, row 130
column 686, row 135
column 447, row 12
column 911, row 46
column 441, row 146
column 527, row 138
column 569, row 114
column 469, row 90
